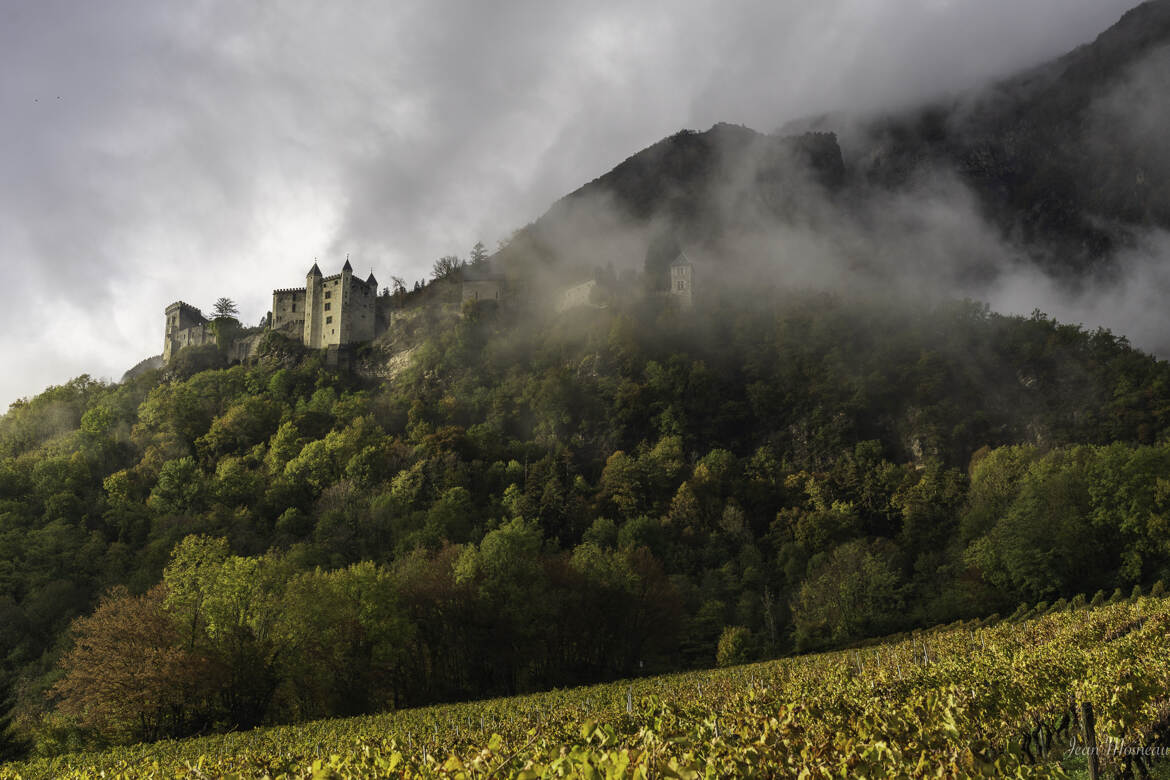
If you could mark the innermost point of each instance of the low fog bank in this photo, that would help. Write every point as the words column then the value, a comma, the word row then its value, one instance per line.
column 995, row 196
column 750, row 222
column 1132, row 303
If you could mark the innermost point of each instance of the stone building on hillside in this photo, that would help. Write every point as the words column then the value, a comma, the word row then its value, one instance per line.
column 329, row 312
column 481, row 284
column 486, row 289
column 682, row 280
column 288, row 311
column 186, row 327
column 674, row 282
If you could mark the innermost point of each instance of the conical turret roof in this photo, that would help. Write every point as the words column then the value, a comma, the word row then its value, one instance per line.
column 314, row 271
column 347, row 267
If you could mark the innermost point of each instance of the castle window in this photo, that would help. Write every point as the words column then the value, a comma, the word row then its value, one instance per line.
column 294, row 308
column 327, row 306
column 328, row 320
column 682, row 285
column 328, row 294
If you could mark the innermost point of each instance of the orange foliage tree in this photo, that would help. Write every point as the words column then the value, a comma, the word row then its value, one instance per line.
column 127, row 674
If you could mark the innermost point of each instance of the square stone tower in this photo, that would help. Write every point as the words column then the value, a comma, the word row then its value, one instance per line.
column 338, row 309
column 682, row 280
column 185, row 327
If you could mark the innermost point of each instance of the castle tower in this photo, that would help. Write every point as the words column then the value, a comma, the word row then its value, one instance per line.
column 682, row 281
column 184, row 327
column 343, row 312
column 313, row 308
column 331, row 311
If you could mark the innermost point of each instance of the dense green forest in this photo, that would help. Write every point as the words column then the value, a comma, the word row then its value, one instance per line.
column 543, row 501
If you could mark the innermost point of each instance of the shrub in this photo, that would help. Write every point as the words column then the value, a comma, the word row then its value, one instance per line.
column 734, row 646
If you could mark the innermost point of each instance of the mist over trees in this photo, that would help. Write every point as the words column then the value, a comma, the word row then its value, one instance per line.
column 539, row 502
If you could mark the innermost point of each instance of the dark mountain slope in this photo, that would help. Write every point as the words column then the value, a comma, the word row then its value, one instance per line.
column 694, row 186
column 671, row 178
column 1067, row 158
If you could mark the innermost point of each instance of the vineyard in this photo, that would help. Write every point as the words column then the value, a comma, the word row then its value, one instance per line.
column 1008, row 699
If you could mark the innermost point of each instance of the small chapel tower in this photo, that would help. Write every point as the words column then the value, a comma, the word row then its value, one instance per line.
column 682, row 281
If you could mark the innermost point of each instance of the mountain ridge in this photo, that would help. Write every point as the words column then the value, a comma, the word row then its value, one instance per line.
column 1052, row 166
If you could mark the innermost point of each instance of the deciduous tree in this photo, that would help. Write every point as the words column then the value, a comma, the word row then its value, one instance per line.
column 127, row 673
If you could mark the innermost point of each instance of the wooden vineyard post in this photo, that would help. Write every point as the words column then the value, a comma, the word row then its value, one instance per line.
column 1089, row 724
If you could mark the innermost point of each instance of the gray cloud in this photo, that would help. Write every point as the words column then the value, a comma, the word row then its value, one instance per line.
column 150, row 152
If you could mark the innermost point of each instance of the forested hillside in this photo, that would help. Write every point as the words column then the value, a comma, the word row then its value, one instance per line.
column 540, row 501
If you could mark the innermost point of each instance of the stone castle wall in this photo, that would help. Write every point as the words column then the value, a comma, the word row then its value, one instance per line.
column 577, row 295
column 288, row 309
column 328, row 311
column 339, row 309
column 185, row 327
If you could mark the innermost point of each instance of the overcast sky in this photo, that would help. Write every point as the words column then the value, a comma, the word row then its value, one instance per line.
column 154, row 151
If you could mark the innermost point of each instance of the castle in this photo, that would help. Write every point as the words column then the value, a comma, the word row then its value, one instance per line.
column 679, row 289
column 186, row 327
column 332, row 312
column 328, row 312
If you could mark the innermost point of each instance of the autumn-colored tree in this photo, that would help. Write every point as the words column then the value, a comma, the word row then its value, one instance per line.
column 127, row 675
